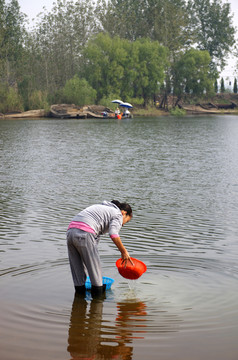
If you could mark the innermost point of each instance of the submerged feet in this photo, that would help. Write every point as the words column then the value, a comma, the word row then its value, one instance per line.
column 80, row 289
column 96, row 291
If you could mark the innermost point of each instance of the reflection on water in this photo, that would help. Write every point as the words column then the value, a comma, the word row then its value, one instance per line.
column 127, row 319
column 180, row 175
column 91, row 337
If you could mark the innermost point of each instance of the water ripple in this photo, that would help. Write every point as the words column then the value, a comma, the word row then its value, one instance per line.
column 180, row 176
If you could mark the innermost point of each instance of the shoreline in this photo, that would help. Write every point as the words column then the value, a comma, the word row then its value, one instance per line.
column 221, row 104
column 35, row 114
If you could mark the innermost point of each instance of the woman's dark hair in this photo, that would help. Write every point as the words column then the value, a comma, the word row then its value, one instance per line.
column 123, row 206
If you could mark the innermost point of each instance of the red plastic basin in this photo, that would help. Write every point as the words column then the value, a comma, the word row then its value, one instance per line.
column 131, row 272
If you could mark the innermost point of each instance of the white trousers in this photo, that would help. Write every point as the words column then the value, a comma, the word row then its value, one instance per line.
column 83, row 257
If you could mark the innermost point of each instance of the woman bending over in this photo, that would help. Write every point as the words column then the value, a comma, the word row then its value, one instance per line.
column 83, row 236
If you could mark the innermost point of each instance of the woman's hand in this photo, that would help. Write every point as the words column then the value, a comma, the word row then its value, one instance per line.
column 124, row 253
column 125, row 257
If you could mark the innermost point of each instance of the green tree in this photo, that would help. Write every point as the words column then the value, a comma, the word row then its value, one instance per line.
column 10, row 100
column 169, row 23
column 166, row 21
column 104, row 64
column 150, row 69
column 222, row 85
column 57, row 42
column 38, row 100
column 235, row 86
column 78, row 92
column 12, row 33
column 192, row 73
column 212, row 21
column 129, row 69
column 123, row 18
column 216, row 86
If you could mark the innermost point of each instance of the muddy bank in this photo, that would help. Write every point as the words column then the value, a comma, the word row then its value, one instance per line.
column 24, row 115
column 218, row 104
column 66, row 111
column 63, row 111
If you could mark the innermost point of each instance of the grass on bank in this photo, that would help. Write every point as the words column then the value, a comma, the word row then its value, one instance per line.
column 149, row 111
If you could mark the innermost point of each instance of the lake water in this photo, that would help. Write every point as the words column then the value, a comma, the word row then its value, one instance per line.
column 180, row 176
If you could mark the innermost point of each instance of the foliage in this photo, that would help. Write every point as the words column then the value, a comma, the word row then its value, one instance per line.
column 10, row 100
column 132, row 49
column 235, row 86
column 150, row 68
column 38, row 100
column 166, row 21
column 12, row 33
column 177, row 111
column 57, row 42
column 222, row 86
column 137, row 101
column 193, row 74
column 150, row 110
column 104, row 64
column 212, row 21
column 77, row 91
column 107, row 101
column 216, row 86
column 129, row 69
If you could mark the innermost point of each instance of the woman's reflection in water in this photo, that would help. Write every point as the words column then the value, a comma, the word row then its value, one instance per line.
column 91, row 337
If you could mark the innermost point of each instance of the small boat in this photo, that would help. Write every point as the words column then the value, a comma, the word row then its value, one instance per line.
column 71, row 111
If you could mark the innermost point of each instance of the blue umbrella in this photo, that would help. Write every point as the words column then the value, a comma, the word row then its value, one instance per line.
column 128, row 105
column 117, row 101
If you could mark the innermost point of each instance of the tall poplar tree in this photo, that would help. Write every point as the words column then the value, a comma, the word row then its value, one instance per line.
column 58, row 40
column 222, row 86
column 166, row 21
column 216, row 86
column 11, row 41
column 235, row 86
column 215, row 32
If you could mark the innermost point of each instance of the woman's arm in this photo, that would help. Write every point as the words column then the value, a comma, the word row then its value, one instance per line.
column 124, row 253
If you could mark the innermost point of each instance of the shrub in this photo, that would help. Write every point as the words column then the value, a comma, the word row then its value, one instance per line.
column 38, row 100
column 137, row 101
column 10, row 100
column 177, row 111
column 77, row 91
column 107, row 101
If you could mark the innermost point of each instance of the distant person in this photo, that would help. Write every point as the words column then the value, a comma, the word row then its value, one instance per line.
column 127, row 113
column 83, row 236
column 117, row 111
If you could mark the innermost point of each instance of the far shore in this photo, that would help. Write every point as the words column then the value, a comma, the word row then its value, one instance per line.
column 41, row 114
column 220, row 104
